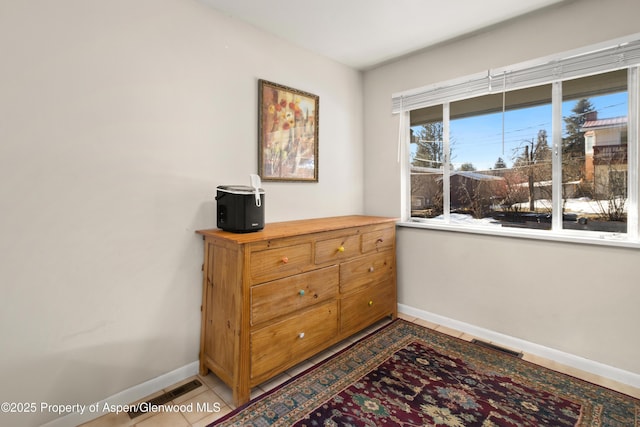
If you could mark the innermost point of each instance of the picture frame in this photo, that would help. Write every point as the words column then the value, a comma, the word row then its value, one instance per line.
column 287, row 133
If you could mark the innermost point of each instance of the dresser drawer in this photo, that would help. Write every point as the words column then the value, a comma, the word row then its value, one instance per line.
column 379, row 240
column 337, row 249
column 285, row 343
column 366, row 270
column 270, row 264
column 360, row 309
column 283, row 296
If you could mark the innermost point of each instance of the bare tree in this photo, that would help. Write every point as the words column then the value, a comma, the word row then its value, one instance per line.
column 613, row 196
column 534, row 161
column 514, row 191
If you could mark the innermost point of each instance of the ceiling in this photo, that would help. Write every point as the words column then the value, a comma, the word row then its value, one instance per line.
column 366, row 33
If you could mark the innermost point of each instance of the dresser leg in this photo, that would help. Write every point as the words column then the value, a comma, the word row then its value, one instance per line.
column 204, row 371
column 241, row 395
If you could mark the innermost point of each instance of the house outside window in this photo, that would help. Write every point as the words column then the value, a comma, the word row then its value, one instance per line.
column 606, row 154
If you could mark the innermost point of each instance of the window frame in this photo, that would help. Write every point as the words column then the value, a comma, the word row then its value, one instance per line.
column 629, row 239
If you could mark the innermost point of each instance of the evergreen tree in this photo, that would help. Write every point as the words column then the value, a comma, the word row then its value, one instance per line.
column 573, row 142
column 429, row 141
column 543, row 157
column 500, row 164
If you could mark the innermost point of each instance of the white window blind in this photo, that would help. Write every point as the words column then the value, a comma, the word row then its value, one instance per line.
column 621, row 55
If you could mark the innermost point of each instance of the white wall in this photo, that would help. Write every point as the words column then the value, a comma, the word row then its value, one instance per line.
column 117, row 121
column 582, row 300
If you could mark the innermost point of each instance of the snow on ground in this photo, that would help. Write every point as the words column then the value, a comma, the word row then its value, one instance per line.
column 462, row 219
column 582, row 206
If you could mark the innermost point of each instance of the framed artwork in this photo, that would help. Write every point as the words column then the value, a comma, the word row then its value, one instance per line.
column 287, row 133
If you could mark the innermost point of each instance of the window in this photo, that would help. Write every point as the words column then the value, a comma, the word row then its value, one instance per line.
column 427, row 163
column 594, row 153
column 533, row 151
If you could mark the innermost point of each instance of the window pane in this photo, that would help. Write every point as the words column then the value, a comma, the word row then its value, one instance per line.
column 502, row 178
column 427, row 157
column 594, row 153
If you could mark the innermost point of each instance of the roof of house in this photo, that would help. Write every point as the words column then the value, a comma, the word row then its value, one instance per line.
column 477, row 176
column 425, row 170
column 605, row 123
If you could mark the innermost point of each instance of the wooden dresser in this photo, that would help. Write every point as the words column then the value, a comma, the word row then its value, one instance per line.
column 273, row 298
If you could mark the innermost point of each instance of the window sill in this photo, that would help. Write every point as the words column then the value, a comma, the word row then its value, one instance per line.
column 566, row 236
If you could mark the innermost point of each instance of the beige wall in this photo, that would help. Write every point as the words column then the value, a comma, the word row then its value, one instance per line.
column 118, row 119
column 582, row 300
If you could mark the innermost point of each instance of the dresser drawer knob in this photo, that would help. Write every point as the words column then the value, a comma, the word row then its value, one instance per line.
column 341, row 249
column 301, row 293
column 301, row 335
column 380, row 240
column 285, row 259
column 370, row 303
column 371, row 269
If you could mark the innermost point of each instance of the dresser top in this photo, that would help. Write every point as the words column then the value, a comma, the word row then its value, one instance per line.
column 276, row 230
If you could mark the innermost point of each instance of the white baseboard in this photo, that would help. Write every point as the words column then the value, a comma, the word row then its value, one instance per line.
column 129, row 395
column 567, row 359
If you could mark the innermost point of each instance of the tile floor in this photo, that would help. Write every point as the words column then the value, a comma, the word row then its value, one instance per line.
column 218, row 395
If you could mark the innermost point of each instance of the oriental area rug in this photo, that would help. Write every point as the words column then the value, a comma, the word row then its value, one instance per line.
column 407, row 375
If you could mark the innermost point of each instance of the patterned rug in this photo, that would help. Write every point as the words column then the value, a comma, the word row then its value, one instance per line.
column 407, row 375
